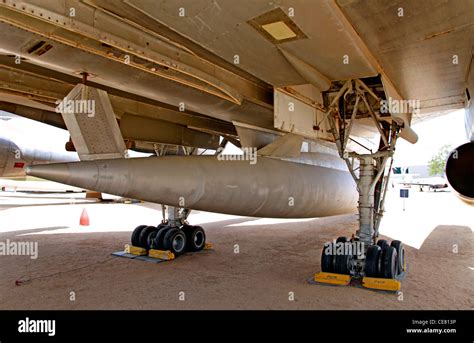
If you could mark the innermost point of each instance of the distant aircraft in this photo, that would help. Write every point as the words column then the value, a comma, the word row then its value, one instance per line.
column 25, row 142
column 433, row 183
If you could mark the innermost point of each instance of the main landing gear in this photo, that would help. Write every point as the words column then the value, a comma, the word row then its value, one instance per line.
column 382, row 260
column 173, row 234
column 367, row 257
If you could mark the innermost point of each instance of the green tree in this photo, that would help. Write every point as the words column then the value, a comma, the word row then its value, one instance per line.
column 438, row 162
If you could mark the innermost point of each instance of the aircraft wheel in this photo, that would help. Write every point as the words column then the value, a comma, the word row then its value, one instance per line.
column 195, row 237
column 143, row 238
column 401, row 255
column 136, row 234
column 342, row 264
column 371, row 267
column 389, row 263
column 327, row 260
column 175, row 241
column 158, row 240
column 382, row 243
column 152, row 236
column 151, row 239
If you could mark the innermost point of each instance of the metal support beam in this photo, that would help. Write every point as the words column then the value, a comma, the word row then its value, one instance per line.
column 366, row 200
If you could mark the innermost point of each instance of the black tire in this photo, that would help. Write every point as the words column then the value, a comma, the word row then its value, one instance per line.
column 136, row 234
column 342, row 264
column 380, row 263
column 327, row 260
column 401, row 255
column 175, row 241
column 161, row 225
column 166, row 241
column 390, row 263
column 186, row 228
column 336, row 247
column 382, row 243
column 158, row 241
column 195, row 237
column 143, row 238
column 371, row 267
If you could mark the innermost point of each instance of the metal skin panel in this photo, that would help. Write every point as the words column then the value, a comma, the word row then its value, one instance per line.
column 288, row 145
column 416, row 50
column 222, row 28
column 264, row 189
column 49, row 89
column 308, row 72
column 294, row 116
column 253, row 137
column 150, row 130
column 221, row 31
column 122, row 77
column 95, row 135
column 110, row 69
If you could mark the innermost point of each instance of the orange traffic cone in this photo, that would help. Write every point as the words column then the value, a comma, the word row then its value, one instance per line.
column 84, row 221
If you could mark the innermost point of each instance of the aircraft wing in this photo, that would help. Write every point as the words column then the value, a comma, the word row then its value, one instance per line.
column 195, row 68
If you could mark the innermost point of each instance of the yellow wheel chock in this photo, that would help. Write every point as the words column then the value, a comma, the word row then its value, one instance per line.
column 381, row 284
column 153, row 253
column 332, row 278
column 161, row 254
column 137, row 251
column 367, row 282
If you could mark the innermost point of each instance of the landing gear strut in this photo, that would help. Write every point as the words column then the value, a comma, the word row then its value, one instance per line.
column 173, row 233
column 373, row 258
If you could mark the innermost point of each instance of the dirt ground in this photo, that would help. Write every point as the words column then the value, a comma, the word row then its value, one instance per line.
column 274, row 259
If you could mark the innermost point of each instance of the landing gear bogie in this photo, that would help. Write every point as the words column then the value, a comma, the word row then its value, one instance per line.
column 381, row 260
column 178, row 240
